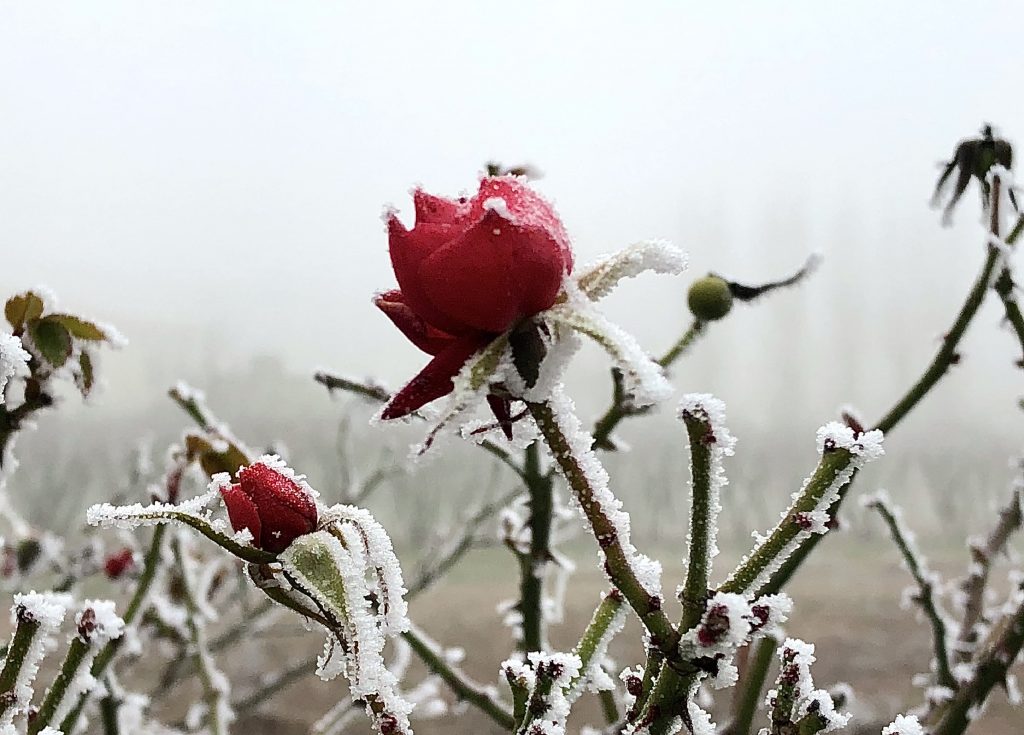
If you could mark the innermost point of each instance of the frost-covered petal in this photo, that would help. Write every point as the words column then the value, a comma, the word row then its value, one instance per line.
column 427, row 338
column 241, row 509
column 433, row 381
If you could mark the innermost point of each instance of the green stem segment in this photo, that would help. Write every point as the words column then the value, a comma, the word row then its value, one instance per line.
column 132, row 612
column 748, row 692
column 78, row 650
column 695, row 590
column 616, row 561
column 595, row 637
column 768, row 553
column 540, row 486
column 24, row 634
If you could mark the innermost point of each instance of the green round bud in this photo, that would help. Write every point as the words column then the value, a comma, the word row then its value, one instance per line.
column 709, row 298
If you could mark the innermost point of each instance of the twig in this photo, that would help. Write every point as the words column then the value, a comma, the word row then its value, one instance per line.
column 465, row 688
column 990, row 668
column 1011, row 518
column 748, row 691
column 926, row 581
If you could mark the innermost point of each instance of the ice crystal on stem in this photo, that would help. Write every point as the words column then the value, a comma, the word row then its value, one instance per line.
column 13, row 358
column 904, row 725
column 37, row 617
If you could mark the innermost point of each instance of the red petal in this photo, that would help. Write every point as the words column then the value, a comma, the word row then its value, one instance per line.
column 494, row 275
column 286, row 510
column 433, row 381
column 241, row 511
column 421, row 334
column 526, row 207
column 408, row 251
column 435, row 209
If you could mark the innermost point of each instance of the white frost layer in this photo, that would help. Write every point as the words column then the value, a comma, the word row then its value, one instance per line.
column 648, row 571
column 47, row 610
column 13, row 359
column 904, row 725
column 137, row 514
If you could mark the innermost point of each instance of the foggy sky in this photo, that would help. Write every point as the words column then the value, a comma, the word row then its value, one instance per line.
column 216, row 171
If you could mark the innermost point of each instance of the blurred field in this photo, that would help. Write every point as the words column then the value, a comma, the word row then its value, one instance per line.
column 847, row 603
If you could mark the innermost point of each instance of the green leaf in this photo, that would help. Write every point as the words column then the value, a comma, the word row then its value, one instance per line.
column 79, row 327
column 52, row 340
column 212, row 461
column 86, row 374
column 22, row 309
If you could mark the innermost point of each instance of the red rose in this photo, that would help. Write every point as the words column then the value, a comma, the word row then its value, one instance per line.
column 469, row 270
column 117, row 564
column 271, row 504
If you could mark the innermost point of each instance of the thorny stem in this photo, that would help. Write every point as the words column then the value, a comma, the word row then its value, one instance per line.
column 108, row 713
column 25, row 632
column 748, row 692
column 132, row 612
column 946, row 356
column 77, row 651
column 1011, row 518
column 990, row 668
column 465, row 688
column 1005, row 288
column 594, row 634
column 925, row 597
column 746, row 575
column 695, row 588
column 533, row 564
column 213, row 694
column 617, row 563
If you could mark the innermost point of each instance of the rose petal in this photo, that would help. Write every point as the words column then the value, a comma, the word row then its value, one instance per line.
column 434, row 209
column 286, row 510
column 427, row 338
column 241, row 511
column 493, row 275
column 433, row 381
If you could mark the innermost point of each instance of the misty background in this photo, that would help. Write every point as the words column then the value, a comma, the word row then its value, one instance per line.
column 209, row 176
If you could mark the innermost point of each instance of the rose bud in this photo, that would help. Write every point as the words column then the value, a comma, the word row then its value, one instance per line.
column 271, row 502
column 469, row 270
column 117, row 564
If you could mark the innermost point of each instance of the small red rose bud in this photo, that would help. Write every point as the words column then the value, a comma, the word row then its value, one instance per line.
column 118, row 563
column 269, row 501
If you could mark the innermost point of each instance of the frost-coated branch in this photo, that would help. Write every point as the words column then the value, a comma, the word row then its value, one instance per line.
column 990, row 666
column 37, row 617
column 533, row 563
column 842, row 453
column 710, row 442
column 95, row 624
column 608, row 619
column 748, row 691
column 635, row 576
column 1011, row 519
column 927, row 581
column 797, row 708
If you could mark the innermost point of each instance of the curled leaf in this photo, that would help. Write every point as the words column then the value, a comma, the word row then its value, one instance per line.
column 52, row 340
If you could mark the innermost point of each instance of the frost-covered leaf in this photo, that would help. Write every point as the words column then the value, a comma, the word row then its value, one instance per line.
column 659, row 256
column 80, row 328
column 23, row 308
column 643, row 378
column 52, row 340
column 215, row 454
